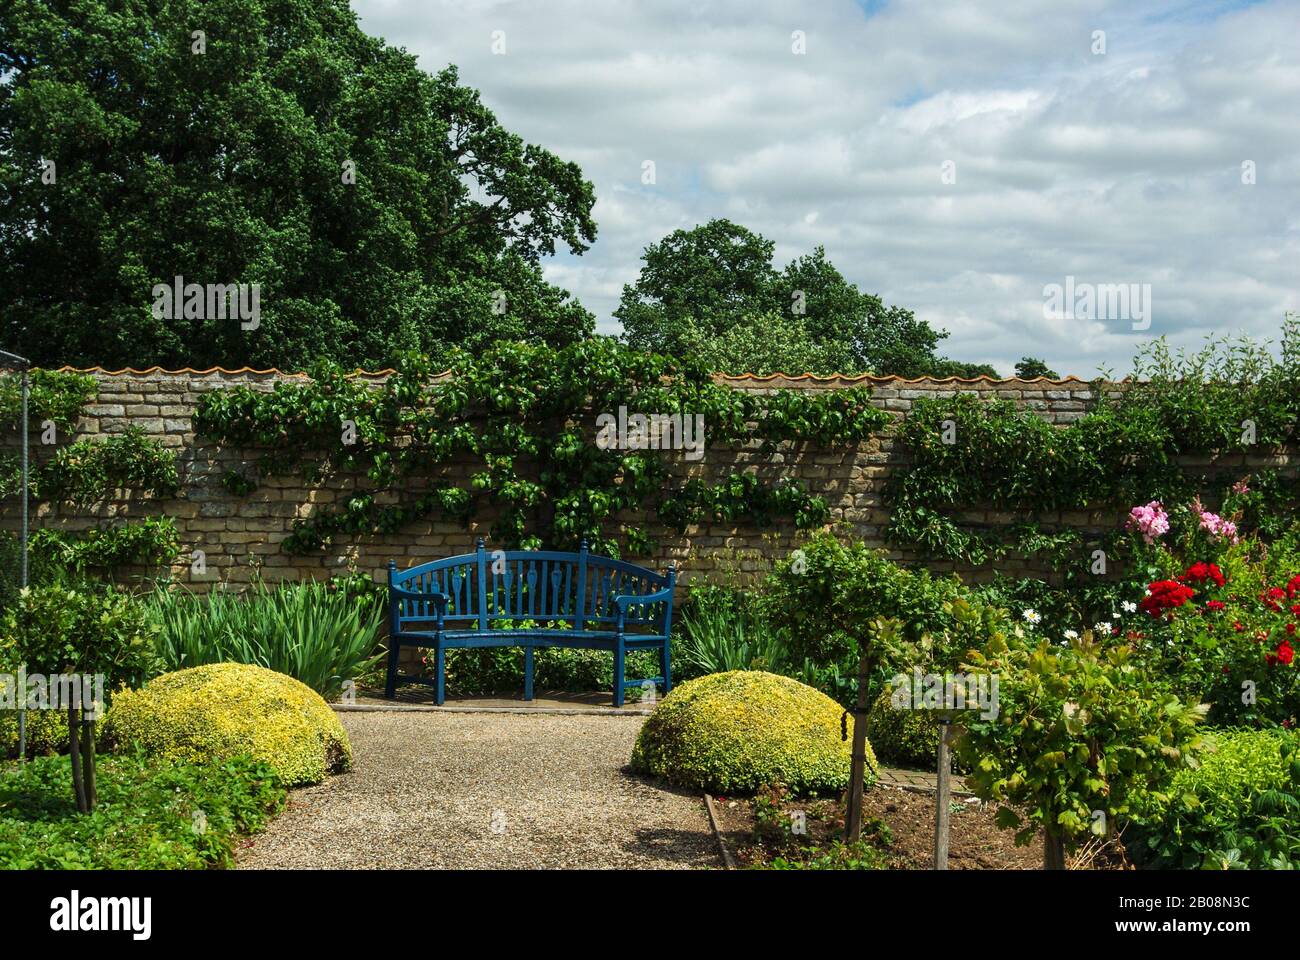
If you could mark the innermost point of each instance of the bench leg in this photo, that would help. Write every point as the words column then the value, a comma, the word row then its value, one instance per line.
column 528, row 673
column 666, row 667
column 394, row 650
column 618, row 671
column 440, row 676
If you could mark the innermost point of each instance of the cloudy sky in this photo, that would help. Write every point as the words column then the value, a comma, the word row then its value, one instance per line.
column 1117, row 167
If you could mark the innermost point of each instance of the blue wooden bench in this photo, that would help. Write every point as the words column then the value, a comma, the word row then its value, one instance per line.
column 530, row 599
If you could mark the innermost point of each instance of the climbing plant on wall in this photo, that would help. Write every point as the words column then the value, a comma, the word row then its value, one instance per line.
column 524, row 418
column 82, row 472
column 1229, row 399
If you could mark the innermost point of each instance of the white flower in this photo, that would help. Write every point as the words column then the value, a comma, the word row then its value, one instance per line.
column 1129, row 606
column 1101, row 626
column 1031, row 616
column 1071, row 634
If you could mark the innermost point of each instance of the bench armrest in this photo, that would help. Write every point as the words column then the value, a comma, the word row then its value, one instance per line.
column 439, row 601
column 625, row 600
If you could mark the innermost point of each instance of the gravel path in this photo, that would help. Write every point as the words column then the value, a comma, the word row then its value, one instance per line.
column 444, row 790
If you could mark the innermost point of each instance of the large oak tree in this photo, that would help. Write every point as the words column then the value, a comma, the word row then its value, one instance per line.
column 221, row 157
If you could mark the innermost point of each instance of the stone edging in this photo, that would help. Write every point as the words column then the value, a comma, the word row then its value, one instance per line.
column 728, row 859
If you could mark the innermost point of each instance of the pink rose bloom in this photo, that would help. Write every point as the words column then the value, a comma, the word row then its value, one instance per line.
column 1218, row 528
column 1151, row 521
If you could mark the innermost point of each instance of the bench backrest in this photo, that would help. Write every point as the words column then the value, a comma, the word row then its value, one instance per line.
column 542, row 585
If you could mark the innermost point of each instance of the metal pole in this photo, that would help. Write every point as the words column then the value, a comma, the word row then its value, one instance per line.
column 942, row 798
column 22, row 699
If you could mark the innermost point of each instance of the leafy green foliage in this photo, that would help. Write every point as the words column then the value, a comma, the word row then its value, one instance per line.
column 60, row 632
column 91, row 469
column 500, row 670
column 740, row 731
column 1030, row 368
column 151, row 542
column 765, row 343
column 908, row 738
column 1082, row 739
column 720, row 630
column 322, row 634
column 1238, row 806
column 438, row 241
column 827, row 597
column 520, row 414
column 55, row 629
column 1228, row 398
column 52, row 395
column 714, row 290
column 151, row 815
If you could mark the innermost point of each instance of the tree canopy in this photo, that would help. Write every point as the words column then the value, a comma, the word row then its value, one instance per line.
column 714, row 289
column 379, row 208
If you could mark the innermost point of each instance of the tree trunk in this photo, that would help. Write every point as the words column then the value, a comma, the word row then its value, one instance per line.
column 1053, row 851
column 74, row 754
column 858, row 760
column 88, row 761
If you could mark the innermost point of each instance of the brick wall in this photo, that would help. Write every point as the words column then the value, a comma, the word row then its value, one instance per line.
column 242, row 534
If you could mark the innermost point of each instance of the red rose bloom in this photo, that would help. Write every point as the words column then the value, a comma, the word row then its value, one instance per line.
column 1201, row 571
column 1293, row 588
column 1284, row 653
column 1214, row 605
column 1165, row 595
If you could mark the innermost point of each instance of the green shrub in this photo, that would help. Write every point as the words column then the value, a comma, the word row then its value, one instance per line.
column 823, row 598
column 722, row 628
column 499, row 670
column 837, row 856
column 1079, row 730
column 1239, row 806
column 909, row 738
column 79, row 635
column 151, row 815
column 47, row 733
column 211, row 713
column 739, row 731
column 322, row 634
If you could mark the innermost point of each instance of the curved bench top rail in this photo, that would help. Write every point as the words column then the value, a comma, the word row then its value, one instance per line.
column 482, row 587
column 400, row 578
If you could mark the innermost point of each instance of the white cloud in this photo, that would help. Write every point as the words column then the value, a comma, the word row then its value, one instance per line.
column 1117, row 168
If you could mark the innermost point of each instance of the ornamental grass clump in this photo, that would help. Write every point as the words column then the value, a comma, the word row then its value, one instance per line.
column 218, row 711
column 739, row 731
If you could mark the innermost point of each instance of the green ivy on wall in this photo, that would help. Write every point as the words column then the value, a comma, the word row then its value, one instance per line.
column 83, row 472
column 1231, row 398
column 523, row 417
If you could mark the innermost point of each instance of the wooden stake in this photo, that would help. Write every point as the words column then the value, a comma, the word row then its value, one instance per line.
column 942, row 798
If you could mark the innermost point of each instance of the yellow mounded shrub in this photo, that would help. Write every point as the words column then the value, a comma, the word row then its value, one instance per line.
column 738, row 731
column 221, row 710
